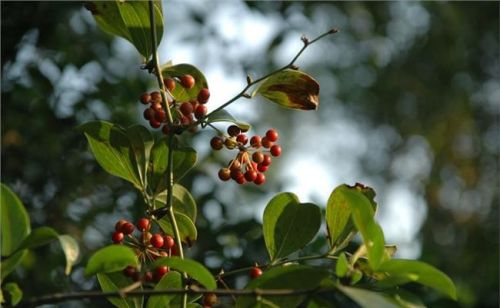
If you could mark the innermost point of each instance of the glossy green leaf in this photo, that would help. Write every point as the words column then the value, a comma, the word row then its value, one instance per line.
column 187, row 228
column 13, row 293
column 294, row 277
column 172, row 280
column 369, row 299
column 291, row 89
column 113, row 282
column 180, row 93
column 141, row 143
column 356, row 276
column 402, row 271
column 289, row 225
column 184, row 160
column 111, row 148
column 9, row 264
column 183, row 201
column 111, row 259
column 192, row 268
column 130, row 20
column 224, row 116
column 405, row 299
column 342, row 266
column 71, row 251
column 15, row 221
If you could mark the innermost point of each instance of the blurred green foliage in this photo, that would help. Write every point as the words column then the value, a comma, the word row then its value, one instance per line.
column 425, row 70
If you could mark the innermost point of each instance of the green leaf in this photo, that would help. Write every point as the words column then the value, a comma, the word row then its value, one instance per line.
column 184, row 160
column 130, row 20
column 342, row 266
column 187, row 228
column 113, row 282
column 9, row 264
column 192, row 268
column 15, row 294
column 224, row 116
column 180, row 93
column 289, row 225
column 172, row 280
column 369, row 299
column 291, row 89
column 183, row 201
column 111, row 148
column 110, row 259
column 141, row 143
column 402, row 271
column 293, row 277
column 71, row 251
column 15, row 221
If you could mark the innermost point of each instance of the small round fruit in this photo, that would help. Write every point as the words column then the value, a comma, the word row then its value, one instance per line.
column 160, row 271
column 266, row 143
column 168, row 242
column 129, row 271
column 250, row 175
column 242, row 138
column 157, row 240
column 117, row 237
column 267, row 160
column 119, row 224
column 160, row 115
column 148, row 276
column 154, row 123
column 224, row 174
column 149, row 114
column 200, row 111
column 257, row 157
column 156, row 97
column 217, row 143
column 186, row 108
column 275, row 150
column 255, row 142
column 262, row 168
column 187, row 81
column 236, row 174
column 255, row 272
column 145, row 98
column 272, row 135
column 203, row 96
column 169, row 83
column 233, row 130
column 143, row 224
column 127, row 228
column 260, row 179
column 210, row 299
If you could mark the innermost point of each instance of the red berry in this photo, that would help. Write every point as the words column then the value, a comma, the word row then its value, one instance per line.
column 187, row 81
column 129, row 271
column 169, row 83
column 235, row 164
column 275, row 150
column 169, row 241
column 127, row 228
column 266, row 142
column 119, row 224
column 145, row 98
column 240, row 179
column 242, row 138
column 156, row 97
column 186, row 108
column 148, row 276
column 143, row 224
column 149, row 113
column 185, row 121
column 250, row 175
column 157, row 107
column 156, row 240
column 117, row 237
column 255, row 142
column 260, row 179
column 160, row 271
column 267, row 160
column 236, row 173
column 233, row 130
column 224, row 174
column 154, row 123
column 255, row 272
column 203, row 95
column 160, row 115
column 262, row 168
column 210, row 299
column 200, row 111
column 216, row 143
column 272, row 135
column 257, row 157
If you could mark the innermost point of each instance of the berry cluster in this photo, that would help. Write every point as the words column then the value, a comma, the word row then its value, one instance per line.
column 147, row 245
column 252, row 160
column 183, row 113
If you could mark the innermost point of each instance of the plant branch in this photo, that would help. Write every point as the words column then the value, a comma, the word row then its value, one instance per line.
column 61, row 297
column 250, row 82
